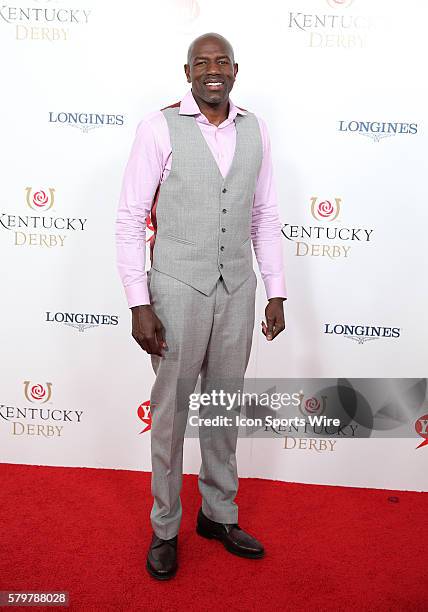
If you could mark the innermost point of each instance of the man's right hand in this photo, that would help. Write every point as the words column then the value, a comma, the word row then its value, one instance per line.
column 147, row 330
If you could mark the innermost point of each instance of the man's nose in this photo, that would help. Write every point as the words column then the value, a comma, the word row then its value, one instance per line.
column 212, row 68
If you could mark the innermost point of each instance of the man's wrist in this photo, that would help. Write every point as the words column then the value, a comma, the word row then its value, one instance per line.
column 135, row 308
column 277, row 298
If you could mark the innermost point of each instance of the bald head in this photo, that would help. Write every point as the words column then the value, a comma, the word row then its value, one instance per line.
column 211, row 69
column 209, row 37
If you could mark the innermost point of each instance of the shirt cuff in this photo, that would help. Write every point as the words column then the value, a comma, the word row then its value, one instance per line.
column 137, row 295
column 275, row 287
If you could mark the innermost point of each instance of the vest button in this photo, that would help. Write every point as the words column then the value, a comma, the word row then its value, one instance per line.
column 224, row 210
column 222, row 248
column 223, row 229
column 221, row 265
column 224, row 190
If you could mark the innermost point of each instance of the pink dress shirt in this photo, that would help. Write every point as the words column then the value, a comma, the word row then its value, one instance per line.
column 149, row 165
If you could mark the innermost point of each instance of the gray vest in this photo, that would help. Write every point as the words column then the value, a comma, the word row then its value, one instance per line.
column 204, row 220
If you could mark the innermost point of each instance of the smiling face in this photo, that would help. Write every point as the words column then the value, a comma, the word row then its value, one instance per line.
column 211, row 69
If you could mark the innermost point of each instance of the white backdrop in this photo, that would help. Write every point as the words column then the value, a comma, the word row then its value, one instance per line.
column 329, row 77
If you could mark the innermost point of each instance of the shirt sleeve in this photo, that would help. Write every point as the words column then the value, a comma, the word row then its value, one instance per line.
column 141, row 178
column 266, row 226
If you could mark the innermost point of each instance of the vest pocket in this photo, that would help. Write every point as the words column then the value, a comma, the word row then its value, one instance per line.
column 177, row 239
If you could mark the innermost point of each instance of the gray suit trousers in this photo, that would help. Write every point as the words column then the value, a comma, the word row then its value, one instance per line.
column 209, row 336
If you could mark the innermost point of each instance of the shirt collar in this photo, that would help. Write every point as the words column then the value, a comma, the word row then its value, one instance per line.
column 188, row 106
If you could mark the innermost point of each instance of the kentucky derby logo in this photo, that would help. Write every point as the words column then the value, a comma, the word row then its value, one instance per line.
column 421, row 427
column 40, row 230
column 312, row 405
column 40, row 200
column 42, row 418
column 38, row 393
column 325, row 238
column 341, row 29
column 145, row 415
column 48, row 23
column 325, row 210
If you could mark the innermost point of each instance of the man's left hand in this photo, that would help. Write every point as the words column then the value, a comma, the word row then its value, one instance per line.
column 274, row 313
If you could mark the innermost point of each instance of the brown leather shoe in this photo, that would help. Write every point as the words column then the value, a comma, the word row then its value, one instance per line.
column 234, row 539
column 162, row 558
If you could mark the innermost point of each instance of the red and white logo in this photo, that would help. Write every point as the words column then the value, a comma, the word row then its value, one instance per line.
column 312, row 405
column 145, row 415
column 41, row 200
column 149, row 226
column 326, row 210
column 421, row 427
column 37, row 393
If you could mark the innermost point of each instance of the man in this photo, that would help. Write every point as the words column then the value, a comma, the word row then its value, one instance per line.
column 202, row 169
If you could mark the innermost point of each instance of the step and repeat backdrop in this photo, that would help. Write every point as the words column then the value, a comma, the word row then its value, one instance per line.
column 341, row 87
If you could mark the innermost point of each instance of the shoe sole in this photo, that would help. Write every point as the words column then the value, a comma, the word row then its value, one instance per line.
column 210, row 536
column 157, row 576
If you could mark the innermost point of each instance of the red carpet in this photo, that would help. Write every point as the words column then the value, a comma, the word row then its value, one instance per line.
column 86, row 531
